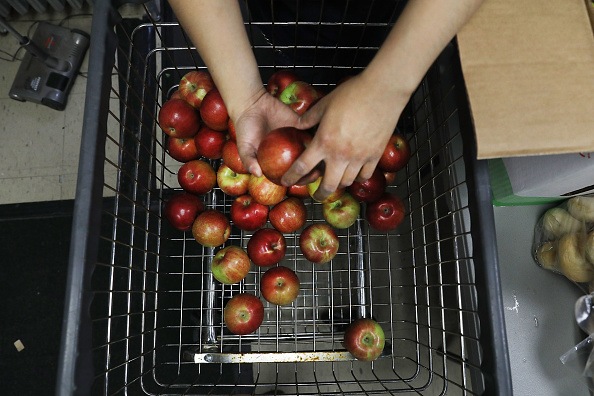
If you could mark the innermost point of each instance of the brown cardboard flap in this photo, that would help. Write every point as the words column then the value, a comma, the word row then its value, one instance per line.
column 529, row 71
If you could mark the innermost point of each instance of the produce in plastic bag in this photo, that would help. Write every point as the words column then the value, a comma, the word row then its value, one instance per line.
column 564, row 240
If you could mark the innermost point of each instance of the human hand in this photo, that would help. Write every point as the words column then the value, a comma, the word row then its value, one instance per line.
column 356, row 121
column 264, row 114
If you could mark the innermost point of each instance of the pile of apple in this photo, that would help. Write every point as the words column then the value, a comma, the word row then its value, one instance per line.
column 200, row 133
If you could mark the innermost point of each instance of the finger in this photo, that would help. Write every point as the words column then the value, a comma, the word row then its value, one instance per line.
column 312, row 116
column 307, row 161
column 366, row 172
column 330, row 181
column 310, row 177
column 250, row 162
column 350, row 174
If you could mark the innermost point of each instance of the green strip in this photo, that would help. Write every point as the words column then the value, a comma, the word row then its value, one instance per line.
column 503, row 193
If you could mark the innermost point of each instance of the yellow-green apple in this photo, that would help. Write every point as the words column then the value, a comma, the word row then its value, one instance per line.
column 230, row 265
column 197, row 177
column 280, row 285
column 264, row 191
column 342, row 212
column 266, row 247
column 319, row 243
column 364, row 339
column 247, row 214
column 279, row 80
column 211, row 228
column 288, row 215
column 243, row 314
column 231, row 182
column 299, row 96
column 178, row 119
column 194, row 85
column 314, row 185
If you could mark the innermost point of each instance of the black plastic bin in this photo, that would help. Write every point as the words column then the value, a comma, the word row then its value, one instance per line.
column 143, row 313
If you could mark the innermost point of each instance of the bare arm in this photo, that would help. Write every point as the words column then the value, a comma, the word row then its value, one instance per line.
column 358, row 117
column 216, row 29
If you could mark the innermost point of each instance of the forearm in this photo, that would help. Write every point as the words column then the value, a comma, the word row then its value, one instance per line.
column 422, row 31
column 216, row 29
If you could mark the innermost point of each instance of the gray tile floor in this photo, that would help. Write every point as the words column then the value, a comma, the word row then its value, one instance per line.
column 39, row 146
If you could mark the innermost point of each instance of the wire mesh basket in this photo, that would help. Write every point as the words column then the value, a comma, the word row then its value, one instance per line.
column 144, row 314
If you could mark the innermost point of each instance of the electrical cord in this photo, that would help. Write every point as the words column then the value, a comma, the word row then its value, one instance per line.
column 13, row 57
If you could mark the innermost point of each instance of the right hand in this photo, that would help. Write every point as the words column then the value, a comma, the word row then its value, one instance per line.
column 264, row 114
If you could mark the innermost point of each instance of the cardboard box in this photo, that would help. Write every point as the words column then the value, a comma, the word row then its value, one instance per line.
column 529, row 72
column 541, row 179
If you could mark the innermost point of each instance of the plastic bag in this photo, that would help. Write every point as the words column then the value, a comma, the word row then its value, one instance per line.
column 581, row 356
column 564, row 240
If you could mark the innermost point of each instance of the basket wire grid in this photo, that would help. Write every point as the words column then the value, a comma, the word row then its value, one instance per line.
column 157, row 311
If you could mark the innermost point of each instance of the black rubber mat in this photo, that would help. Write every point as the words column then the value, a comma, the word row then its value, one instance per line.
column 34, row 244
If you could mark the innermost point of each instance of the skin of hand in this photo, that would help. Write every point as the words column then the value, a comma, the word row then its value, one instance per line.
column 358, row 117
column 263, row 115
column 354, row 128
column 356, row 120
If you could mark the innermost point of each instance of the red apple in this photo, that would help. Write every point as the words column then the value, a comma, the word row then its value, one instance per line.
column 364, row 339
column 390, row 178
column 314, row 185
column 386, row 213
column 247, row 214
column 211, row 228
column 232, row 183
column 209, row 143
column 178, row 119
column 318, row 243
column 231, row 130
column 279, row 149
column 342, row 212
column 243, row 314
column 264, row 191
column 230, row 265
column 266, row 247
column 288, row 215
column 396, row 154
column 176, row 95
column 279, row 80
column 182, row 209
column 279, row 285
column 369, row 190
column 213, row 111
column 182, row 150
column 231, row 157
column 299, row 96
column 298, row 190
column 197, row 177
column 194, row 85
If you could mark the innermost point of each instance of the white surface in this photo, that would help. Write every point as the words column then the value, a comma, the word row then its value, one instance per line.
column 538, row 310
column 550, row 175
